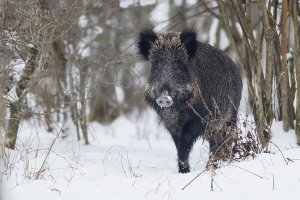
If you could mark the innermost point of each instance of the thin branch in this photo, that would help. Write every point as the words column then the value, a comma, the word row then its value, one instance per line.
column 193, row 179
column 49, row 150
column 280, row 152
column 249, row 172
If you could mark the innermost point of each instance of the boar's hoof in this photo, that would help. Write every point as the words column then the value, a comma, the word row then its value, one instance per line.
column 164, row 101
column 184, row 167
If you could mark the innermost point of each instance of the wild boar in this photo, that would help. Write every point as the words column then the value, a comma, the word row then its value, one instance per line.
column 189, row 85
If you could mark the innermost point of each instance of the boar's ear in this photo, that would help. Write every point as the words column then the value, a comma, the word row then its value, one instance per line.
column 146, row 38
column 189, row 39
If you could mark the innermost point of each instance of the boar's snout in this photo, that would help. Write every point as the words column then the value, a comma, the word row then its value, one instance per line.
column 164, row 100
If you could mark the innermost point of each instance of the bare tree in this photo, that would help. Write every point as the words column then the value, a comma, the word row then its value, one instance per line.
column 34, row 55
column 74, row 54
column 111, row 62
column 263, row 92
column 29, row 33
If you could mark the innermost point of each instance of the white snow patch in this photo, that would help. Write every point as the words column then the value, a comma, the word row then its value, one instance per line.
column 127, row 3
column 120, row 94
column 30, row 45
column 224, row 42
column 98, row 30
column 135, row 158
column 213, row 29
column 82, row 21
column 160, row 16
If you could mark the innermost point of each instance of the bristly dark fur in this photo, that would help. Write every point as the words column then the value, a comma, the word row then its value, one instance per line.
column 204, row 83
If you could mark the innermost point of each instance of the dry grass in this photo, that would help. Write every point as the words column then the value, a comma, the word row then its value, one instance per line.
column 236, row 143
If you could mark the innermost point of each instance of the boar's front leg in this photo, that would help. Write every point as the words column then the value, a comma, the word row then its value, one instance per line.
column 184, row 143
column 182, row 155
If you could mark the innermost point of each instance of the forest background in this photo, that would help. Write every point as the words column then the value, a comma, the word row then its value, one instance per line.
column 78, row 59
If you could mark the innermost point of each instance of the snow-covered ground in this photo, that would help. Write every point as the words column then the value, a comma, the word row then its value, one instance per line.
column 136, row 159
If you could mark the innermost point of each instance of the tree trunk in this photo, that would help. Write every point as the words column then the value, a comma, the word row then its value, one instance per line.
column 74, row 99
column 83, row 121
column 297, row 65
column 82, row 90
column 268, row 32
column 285, row 88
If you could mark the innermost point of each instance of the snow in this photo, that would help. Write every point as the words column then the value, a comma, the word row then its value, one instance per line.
column 213, row 29
column 160, row 16
column 127, row 3
column 135, row 158
column 82, row 21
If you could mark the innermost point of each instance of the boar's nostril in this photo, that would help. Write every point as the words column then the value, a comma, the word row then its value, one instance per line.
column 164, row 101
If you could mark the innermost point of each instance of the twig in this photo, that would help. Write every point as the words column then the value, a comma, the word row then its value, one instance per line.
column 43, row 164
column 213, row 181
column 249, row 171
column 193, row 179
column 273, row 182
column 212, row 184
column 286, row 162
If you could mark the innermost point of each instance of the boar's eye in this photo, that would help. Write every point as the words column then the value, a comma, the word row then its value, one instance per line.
column 155, row 65
column 180, row 65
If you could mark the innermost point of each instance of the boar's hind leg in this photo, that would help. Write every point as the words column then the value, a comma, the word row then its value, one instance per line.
column 190, row 132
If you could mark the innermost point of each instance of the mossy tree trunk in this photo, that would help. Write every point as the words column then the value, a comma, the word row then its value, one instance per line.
column 13, row 125
column 15, row 107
